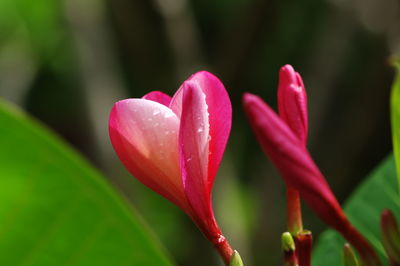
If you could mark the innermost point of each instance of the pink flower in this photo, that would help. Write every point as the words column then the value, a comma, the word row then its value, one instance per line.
column 283, row 140
column 175, row 145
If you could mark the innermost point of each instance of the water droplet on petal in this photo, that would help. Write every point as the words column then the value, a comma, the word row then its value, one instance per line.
column 156, row 112
column 168, row 114
column 200, row 130
column 188, row 159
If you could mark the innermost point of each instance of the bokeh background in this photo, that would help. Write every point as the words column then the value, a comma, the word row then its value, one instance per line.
column 67, row 62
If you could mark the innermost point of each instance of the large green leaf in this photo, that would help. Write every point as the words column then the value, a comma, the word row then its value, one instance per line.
column 395, row 117
column 55, row 209
column 379, row 191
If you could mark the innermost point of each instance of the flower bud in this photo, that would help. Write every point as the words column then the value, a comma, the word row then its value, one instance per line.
column 349, row 256
column 289, row 250
column 236, row 260
column 292, row 102
column 390, row 236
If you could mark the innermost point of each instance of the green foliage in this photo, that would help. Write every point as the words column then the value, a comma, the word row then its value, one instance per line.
column 38, row 25
column 379, row 191
column 56, row 209
column 395, row 118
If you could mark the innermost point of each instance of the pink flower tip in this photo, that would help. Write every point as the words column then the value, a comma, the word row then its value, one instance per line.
column 292, row 101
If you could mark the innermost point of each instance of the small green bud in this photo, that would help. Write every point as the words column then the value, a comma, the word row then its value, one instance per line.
column 236, row 260
column 349, row 257
column 289, row 250
column 288, row 242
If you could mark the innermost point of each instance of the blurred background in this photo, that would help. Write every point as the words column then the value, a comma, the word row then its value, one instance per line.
column 67, row 62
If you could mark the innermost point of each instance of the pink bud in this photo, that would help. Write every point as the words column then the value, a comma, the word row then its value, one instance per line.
column 175, row 145
column 292, row 102
column 292, row 106
column 290, row 156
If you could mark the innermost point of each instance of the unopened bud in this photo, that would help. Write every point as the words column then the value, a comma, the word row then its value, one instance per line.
column 390, row 236
column 349, row 256
column 289, row 250
column 292, row 102
column 236, row 260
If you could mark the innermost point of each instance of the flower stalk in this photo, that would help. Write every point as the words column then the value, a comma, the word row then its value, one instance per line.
column 304, row 242
column 294, row 218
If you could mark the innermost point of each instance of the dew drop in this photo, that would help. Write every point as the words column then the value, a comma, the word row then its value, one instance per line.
column 221, row 239
column 168, row 114
column 200, row 130
column 156, row 112
column 188, row 159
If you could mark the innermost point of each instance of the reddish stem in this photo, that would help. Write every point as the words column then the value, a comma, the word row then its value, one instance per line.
column 295, row 223
column 290, row 258
column 224, row 249
column 304, row 242
column 213, row 233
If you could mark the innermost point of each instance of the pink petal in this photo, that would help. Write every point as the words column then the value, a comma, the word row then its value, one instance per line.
column 193, row 148
column 293, row 161
column 158, row 96
column 176, row 102
column 220, row 119
column 144, row 134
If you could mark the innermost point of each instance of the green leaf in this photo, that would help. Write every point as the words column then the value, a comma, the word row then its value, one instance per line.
column 55, row 209
column 377, row 192
column 395, row 117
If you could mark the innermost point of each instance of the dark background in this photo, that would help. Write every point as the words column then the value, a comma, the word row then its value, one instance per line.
column 67, row 62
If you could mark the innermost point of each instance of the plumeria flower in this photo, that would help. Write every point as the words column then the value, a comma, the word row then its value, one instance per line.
column 283, row 144
column 175, row 145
